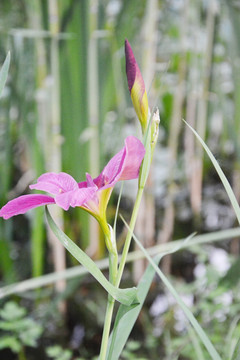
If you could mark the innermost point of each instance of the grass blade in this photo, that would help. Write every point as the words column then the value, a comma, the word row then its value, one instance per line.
column 4, row 72
column 236, row 354
column 126, row 318
column 76, row 271
column 221, row 174
column 125, row 296
column 201, row 333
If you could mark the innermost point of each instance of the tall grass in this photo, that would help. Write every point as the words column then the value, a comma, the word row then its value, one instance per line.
column 84, row 59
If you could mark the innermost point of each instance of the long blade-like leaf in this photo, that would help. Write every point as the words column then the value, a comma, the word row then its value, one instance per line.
column 126, row 318
column 4, row 73
column 40, row 281
column 236, row 353
column 201, row 333
column 124, row 296
column 221, row 174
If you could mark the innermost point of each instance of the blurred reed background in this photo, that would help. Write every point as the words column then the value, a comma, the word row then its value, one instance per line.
column 66, row 107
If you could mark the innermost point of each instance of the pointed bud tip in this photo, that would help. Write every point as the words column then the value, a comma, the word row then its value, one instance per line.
column 136, row 86
column 131, row 65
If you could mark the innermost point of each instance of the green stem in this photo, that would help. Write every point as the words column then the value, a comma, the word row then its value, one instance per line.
column 115, row 272
column 113, row 268
column 129, row 235
column 107, row 326
column 116, row 275
column 21, row 354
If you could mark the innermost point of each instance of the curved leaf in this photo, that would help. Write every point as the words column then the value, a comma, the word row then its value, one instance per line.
column 125, row 296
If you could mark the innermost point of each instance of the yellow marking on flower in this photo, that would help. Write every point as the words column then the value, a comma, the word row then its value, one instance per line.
column 140, row 104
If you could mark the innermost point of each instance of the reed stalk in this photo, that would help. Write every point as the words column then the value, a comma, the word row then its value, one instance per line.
column 94, row 248
column 145, row 224
column 37, row 228
column 203, row 102
column 54, row 155
column 173, row 142
column 234, row 46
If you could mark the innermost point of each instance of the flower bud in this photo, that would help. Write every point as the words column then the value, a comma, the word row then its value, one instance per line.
column 136, row 87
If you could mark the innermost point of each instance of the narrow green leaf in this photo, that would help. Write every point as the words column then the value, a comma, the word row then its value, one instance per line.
column 78, row 271
column 124, row 296
column 221, row 174
column 196, row 343
column 236, row 353
column 201, row 333
column 126, row 317
column 4, row 72
column 232, row 339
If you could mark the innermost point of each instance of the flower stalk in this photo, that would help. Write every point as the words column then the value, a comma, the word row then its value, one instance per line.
column 150, row 126
column 113, row 269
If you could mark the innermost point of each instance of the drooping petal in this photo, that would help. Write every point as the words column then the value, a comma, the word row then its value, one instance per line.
column 24, row 203
column 124, row 165
column 136, row 87
column 75, row 198
column 55, row 183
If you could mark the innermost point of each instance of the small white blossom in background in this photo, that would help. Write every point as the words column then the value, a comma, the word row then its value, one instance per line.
column 219, row 259
column 159, row 306
column 199, row 271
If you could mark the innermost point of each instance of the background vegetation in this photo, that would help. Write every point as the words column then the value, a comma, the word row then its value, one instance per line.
column 66, row 107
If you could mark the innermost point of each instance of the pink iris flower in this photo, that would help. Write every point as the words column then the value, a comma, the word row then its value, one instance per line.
column 91, row 195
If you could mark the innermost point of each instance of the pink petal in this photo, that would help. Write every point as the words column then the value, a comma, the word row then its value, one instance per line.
column 75, row 198
column 82, row 184
column 90, row 182
column 55, row 183
column 124, row 165
column 24, row 203
column 135, row 152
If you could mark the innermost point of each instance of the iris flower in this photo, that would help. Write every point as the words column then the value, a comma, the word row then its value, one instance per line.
column 91, row 195
column 136, row 87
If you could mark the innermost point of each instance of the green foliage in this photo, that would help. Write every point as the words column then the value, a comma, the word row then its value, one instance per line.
column 124, row 296
column 19, row 126
column 58, row 353
column 18, row 330
column 130, row 352
column 4, row 73
column 216, row 307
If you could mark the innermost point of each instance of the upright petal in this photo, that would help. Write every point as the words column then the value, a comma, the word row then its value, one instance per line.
column 132, row 160
column 111, row 170
column 136, row 87
column 90, row 182
column 124, row 165
column 24, row 203
column 55, row 183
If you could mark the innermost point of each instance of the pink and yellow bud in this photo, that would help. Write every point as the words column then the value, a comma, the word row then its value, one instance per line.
column 136, row 87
